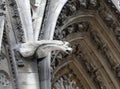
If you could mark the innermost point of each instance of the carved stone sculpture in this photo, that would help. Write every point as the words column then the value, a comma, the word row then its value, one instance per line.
column 99, row 82
column 94, row 3
column 117, row 70
column 66, row 82
column 42, row 48
column 83, row 3
column 96, row 39
column 108, row 18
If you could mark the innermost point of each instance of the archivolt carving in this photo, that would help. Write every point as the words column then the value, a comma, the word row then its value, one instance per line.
column 67, row 80
column 99, row 82
column 108, row 18
column 113, row 8
column 74, row 28
column 117, row 33
column 90, row 68
column 96, row 38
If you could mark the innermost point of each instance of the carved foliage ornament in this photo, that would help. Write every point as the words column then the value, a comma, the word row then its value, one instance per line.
column 74, row 28
column 67, row 81
column 72, row 6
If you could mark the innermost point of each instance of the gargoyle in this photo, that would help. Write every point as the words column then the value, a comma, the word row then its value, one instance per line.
column 42, row 48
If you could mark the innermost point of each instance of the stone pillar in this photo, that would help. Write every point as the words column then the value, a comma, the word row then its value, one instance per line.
column 45, row 73
column 44, row 65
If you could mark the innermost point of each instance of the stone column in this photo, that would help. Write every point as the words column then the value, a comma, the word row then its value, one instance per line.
column 45, row 73
column 44, row 65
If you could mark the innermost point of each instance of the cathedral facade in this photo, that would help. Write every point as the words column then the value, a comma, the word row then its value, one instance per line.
column 59, row 44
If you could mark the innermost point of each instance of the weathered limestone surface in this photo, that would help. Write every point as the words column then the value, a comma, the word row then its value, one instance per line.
column 2, row 21
column 26, row 19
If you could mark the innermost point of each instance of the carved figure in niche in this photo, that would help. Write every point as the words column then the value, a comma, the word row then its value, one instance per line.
column 96, row 38
column 117, row 69
column 99, row 82
column 110, row 59
column 104, row 48
column 107, row 18
column 71, row 8
column 83, row 26
column 77, row 48
column 64, row 13
column 66, row 82
column 117, row 33
column 83, row 3
column 58, row 59
column 108, row 54
column 63, row 34
column 57, row 34
column 90, row 68
column 74, row 49
column 62, row 17
column 80, row 27
column 94, row 3
column 70, row 29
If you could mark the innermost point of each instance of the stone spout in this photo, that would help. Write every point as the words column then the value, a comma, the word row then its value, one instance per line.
column 42, row 48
